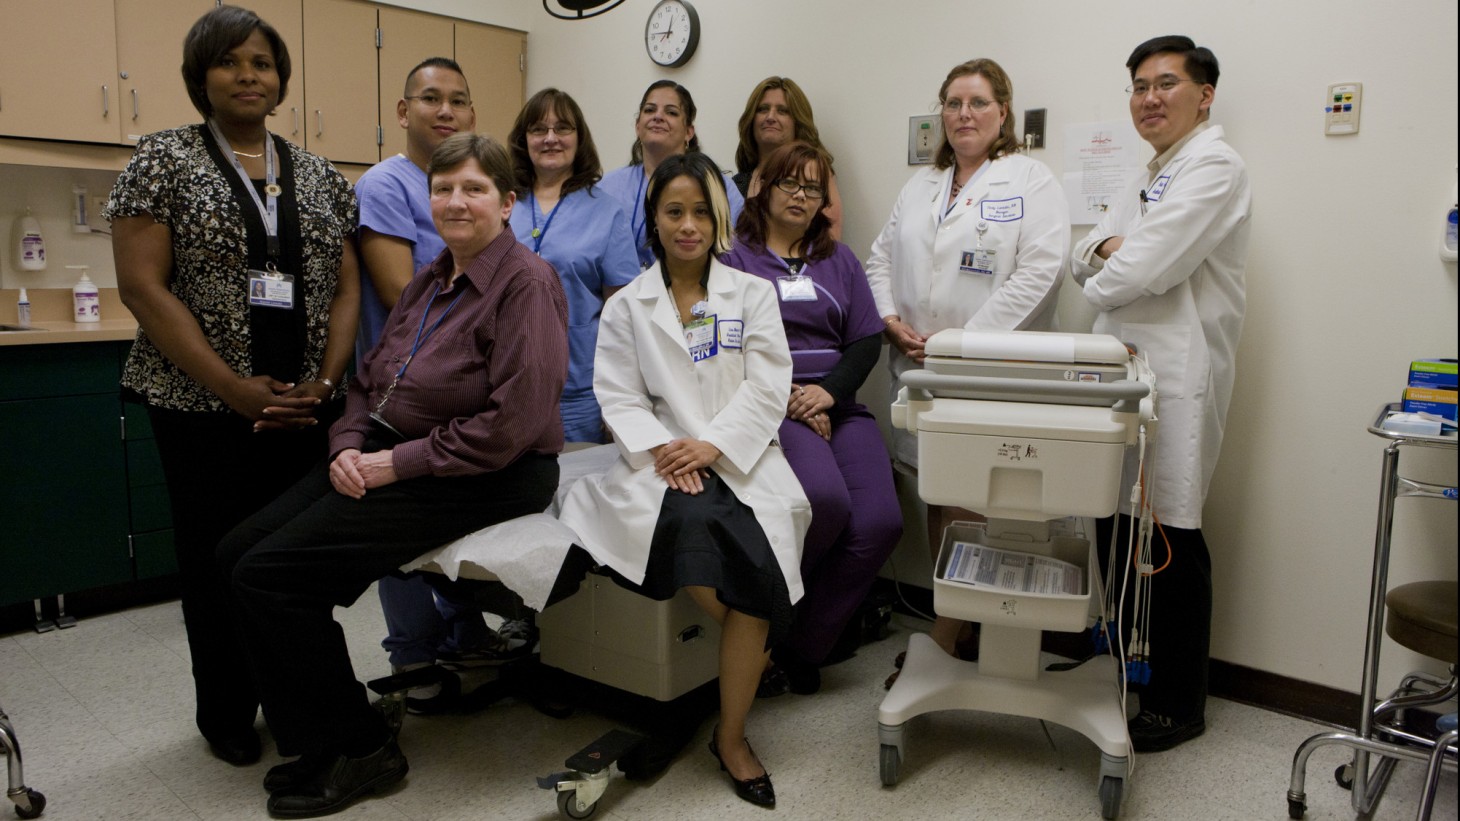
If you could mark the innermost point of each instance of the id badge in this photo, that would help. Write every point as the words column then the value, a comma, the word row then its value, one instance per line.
column 700, row 336
column 978, row 261
column 796, row 288
column 270, row 289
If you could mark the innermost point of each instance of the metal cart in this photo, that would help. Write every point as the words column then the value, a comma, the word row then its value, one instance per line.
column 28, row 802
column 1379, row 729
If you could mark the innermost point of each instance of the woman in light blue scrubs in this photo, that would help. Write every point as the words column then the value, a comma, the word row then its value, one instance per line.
column 569, row 221
column 663, row 128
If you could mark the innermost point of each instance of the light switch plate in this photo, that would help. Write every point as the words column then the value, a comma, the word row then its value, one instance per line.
column 1341, row 108
column 924, row 135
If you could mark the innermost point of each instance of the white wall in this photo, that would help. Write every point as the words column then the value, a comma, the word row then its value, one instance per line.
column 1344, row 281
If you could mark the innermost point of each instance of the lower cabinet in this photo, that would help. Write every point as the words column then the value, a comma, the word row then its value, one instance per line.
column 85, row 504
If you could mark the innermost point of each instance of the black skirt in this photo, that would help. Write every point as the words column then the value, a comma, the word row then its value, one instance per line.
column 712, row 539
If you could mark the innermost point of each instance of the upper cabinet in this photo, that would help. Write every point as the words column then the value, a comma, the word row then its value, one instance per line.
column 406, row 38
column 120, row 78
column 58, row 71
column 340, row 92
column 495, row 62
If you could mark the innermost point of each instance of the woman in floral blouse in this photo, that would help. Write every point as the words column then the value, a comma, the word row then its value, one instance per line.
column 233, row 252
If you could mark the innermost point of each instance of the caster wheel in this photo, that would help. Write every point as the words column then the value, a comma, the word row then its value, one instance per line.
column 1296, row 809
column 37, row 805
column 890, row 762
column 1344, row 776
column 568, row 806
column 1110, row 790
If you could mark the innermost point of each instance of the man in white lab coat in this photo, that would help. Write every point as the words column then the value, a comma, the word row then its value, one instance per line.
column 1165, row 268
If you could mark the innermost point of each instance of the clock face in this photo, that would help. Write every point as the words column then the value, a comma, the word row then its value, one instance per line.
column 672, row 33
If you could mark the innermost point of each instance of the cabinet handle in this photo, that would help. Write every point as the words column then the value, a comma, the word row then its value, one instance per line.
column 295, row 111
column 319, row 122
column 135, row 111
column 106, row 106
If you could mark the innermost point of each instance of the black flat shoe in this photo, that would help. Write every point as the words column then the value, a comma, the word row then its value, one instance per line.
column 339, row 783
column 757, row 790
column 240, row 750
column 773, row 682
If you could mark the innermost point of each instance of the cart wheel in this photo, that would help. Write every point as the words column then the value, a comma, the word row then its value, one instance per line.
column 890, row 761
column 37, row 805
column 568, row 806
column 1296, row 809
column 1110, row 790
column 1344, row 775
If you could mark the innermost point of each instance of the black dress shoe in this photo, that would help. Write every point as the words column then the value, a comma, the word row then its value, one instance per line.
column 295, row 773
column 757, row 790
column 1153, row 733
column 240, row 749
column 339, row 783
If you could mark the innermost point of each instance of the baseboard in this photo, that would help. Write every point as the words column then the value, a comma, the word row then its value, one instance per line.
column 1233, row 682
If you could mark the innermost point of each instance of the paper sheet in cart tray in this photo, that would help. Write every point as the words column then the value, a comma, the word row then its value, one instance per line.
column 983, row 566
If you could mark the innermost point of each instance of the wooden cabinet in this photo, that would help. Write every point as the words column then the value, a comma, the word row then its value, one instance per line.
column 107, row 71
column 406, row 38
column 149, row 49
column 58, row 70
column 341, row 85
column 493, row 60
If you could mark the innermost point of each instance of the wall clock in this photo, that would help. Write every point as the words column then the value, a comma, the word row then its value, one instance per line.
column 672, row 33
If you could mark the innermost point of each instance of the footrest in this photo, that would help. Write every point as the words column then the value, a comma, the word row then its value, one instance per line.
column 608, row 748
column 409, row 680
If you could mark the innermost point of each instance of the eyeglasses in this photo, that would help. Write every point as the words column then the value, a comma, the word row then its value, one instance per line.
column 1164, row 85
column 436, row 101
column 791, row 186
column 953, row 107
column 560, row 129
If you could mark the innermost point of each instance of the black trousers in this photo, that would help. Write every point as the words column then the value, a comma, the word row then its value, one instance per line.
column 314, row 549
column 219, row 472
column 1181, row 616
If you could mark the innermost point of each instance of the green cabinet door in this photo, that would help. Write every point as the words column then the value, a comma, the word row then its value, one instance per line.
column 64, row 482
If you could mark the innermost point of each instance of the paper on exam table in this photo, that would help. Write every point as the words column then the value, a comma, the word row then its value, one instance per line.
column 983, row 566
column 527, row 552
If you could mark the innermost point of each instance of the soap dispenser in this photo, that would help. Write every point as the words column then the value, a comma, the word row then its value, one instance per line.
column 30, row 250
column 85, row 296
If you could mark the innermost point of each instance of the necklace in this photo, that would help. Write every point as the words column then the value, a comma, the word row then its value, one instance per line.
column 246, row 154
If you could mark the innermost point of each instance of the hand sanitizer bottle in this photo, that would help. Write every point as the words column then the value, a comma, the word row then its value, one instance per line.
column 84, row 294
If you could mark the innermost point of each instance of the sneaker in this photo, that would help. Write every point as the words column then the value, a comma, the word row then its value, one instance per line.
column 499, row 649
column 523, row 630
column 1152, row 733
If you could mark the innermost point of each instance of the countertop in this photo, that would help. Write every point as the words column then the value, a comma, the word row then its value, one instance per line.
column 54, row 333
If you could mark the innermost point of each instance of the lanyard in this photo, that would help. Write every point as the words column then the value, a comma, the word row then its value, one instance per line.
column 536, row 234
column 422, row 334
column 268, row 213
column 640, row 239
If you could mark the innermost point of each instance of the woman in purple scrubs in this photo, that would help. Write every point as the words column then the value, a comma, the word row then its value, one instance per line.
column 832, row 442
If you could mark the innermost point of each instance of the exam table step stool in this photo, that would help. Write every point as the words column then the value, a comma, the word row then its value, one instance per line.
column 29, row 803
column 580, row 787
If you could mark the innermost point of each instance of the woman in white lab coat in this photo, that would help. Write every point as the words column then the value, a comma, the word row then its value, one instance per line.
column 977, row 240
column 693, row 374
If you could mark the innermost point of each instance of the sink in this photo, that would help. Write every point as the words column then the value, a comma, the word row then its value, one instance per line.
column 16, row 328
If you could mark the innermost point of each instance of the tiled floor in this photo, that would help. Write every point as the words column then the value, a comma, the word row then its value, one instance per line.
column 104, row 714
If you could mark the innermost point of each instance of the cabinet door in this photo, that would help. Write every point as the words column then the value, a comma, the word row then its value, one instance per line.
column 341, row 82
column 492, row 59
column 406, row 38
column 58, row 70
column 150, row 35
column 65, row 486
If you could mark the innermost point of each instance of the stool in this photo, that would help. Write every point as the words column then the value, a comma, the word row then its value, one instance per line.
column 1422, row 618
column 1443, row 747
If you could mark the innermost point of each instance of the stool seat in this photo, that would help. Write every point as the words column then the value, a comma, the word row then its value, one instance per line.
column 1422, row 617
